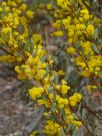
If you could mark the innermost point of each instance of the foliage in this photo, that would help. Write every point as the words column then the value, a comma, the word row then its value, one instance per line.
column 78, row 42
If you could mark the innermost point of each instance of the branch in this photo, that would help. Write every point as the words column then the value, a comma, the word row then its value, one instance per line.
column 91, row 10
column 6, row 51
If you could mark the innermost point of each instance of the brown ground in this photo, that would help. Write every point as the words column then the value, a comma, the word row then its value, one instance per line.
column 15, row 114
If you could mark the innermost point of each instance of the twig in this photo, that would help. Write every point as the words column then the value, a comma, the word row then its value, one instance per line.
column 6, row 51
column 91, row 10
column 92, row 112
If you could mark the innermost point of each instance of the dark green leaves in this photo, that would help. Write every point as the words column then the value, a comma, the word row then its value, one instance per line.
column 95, row 48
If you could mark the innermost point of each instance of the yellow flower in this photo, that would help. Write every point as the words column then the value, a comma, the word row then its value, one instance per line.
column 81, row 64
column 43, row 65
column 34, row 133
column 52, row 128
column 7, row 58
column 18, row 1
column 61, row 72
column 0, row 9
column 65, row 89
column 36, row 92
column 6, row 30
column 77, row 123
column 74, row 99
column 40, row 73
column 86, row 73
column 91, row 88
column 37, row 39
column 71, row 33
column 49, row 6
column 23, row 6
column 63, row 4
column 21, row 73
column 58, row 33
column 66, row 22
column 7, row 9
column 67, row 111
column 12, row 3
column 64, row 82
column 29, row 14
column 69, row 119
column 71, row 50
column 58, row 87
column 62, row 102
column 16, row 45
column 4, row 3
column 85, row 14
column 41, row 102
column 90, row 30
column 57, row 24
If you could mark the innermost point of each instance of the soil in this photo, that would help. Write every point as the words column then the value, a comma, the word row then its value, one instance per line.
column 16, row 115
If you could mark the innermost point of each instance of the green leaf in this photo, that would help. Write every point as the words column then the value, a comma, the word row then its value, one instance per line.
column 79, row 107
column 53, row 101
column 73, row 1
column 33, row 4
column 47, row 72
column 47, row 69
column 69, row 127
column 56, row 79
column 31, row 46
column 89, row 127
column 95, row 49
column 26, row 45
column 62, row 132
column 48, row 17
column 74, row 133
column 75, row 116
column 83, row 114
column 96, row 33
column 95, row 131
column 62, row 112
column 50, row 90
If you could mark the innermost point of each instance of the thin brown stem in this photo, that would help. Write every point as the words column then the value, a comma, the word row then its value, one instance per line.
column 92, row 133
column 92, row 112
column 7, row 52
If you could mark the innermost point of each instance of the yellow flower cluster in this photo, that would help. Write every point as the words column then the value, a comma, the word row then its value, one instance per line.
column 35, row 64
column 7, row 58
column 73, row 100
column 34, row 67
column 91, row 88
column 63, row 3
column 77, row 25
column 80, row 28
column 71, row 50
column 14, row 22
column 52, row 128
column 58, row 33
column 36, row 92
column 85, row 14
column 70, row 119
column 93, row 66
